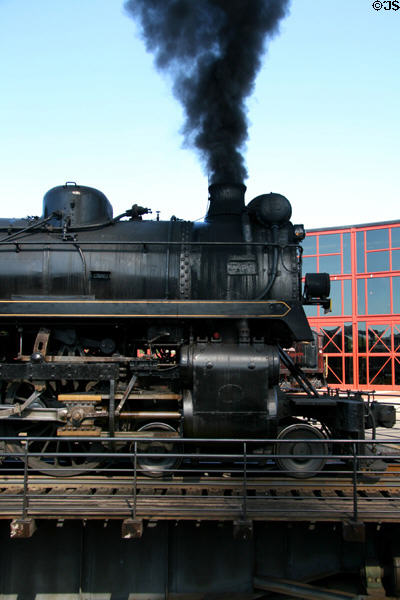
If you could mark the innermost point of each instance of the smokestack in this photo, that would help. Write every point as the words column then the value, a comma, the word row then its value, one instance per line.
column 212, row 49
column 225, row 199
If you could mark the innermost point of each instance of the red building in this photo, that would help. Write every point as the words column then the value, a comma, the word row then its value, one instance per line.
column 361, row 336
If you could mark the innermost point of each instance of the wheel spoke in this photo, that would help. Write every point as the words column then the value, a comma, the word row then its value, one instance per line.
column 56, row 458
column 45, row 446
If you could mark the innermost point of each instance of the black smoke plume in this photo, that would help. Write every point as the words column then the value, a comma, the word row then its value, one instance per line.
column 213, row 50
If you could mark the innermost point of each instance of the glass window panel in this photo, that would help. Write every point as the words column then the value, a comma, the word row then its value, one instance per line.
column 362, row 336
column 311, row 311
column 310, row 264
column 330, row 264
column 332, row 341
column 360, row 252
column 396, row 260
column 361, row 296
column 396, row 294
column 380, row 370
column 348, row 337
column 328, row 244
column 379, row 338
column 348, row 369
column 378, row 294
column 377, row 238
column 336, row 297
column 396, row 372
column 362, row 370
column 395, row 237
column 346, row 254
column 335, row 369
column 309, row 244
column 396, row 337
column 347, row 297
column 377, row 261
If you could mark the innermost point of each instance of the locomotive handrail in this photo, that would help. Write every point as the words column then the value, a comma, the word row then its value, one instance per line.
column 35, row 225
column 5, row 242
column 203, row 440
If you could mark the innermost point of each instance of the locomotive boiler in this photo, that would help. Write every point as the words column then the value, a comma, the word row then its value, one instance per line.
column 123, row 327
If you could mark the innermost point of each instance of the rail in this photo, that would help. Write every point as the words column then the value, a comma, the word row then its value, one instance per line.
column 173, row 478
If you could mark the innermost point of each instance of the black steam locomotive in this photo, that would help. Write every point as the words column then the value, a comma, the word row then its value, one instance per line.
column 124, row 327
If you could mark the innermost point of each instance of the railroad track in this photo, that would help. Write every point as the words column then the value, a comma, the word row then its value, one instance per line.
column 201, row 498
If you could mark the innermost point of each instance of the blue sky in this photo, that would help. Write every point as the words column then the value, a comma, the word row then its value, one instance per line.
column 80, row 100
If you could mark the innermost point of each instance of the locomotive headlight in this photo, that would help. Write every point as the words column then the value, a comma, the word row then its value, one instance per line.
column 299, row 232
column 317, row 285
column 316, row 290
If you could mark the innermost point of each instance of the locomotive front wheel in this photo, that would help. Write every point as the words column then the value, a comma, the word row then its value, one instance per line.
column 60, row 463
column 161, row 463
column 299, row 450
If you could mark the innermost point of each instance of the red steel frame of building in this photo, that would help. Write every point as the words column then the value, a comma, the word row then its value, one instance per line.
column 391, row 320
